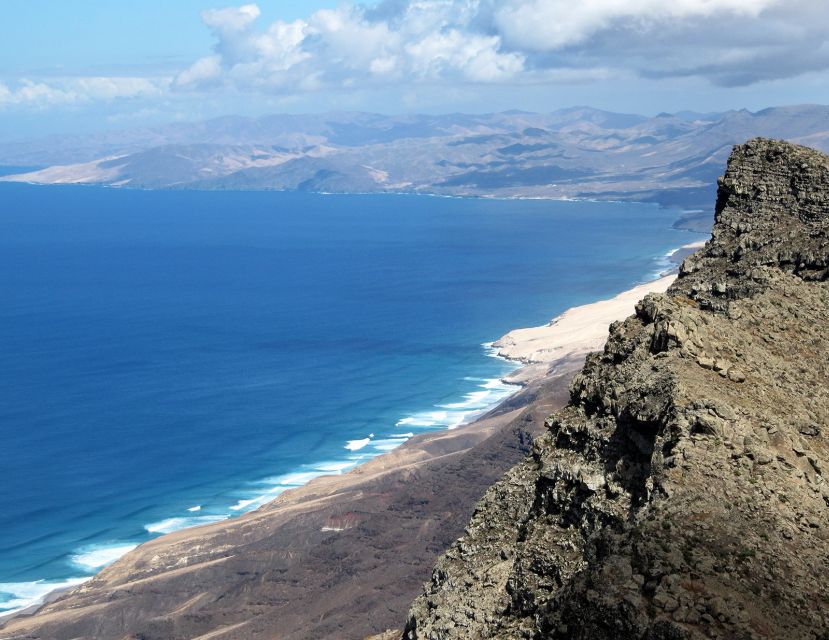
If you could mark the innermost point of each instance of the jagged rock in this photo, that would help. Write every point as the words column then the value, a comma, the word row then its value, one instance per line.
column 680, row 493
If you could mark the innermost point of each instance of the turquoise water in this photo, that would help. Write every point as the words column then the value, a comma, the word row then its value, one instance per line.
column 174, row 358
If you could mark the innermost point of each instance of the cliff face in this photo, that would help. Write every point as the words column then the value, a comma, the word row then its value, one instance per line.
column 683, row 492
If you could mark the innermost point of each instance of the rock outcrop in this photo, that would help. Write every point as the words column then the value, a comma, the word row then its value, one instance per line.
column 684, row 492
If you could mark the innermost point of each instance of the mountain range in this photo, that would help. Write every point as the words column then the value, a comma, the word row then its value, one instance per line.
column 571, row 153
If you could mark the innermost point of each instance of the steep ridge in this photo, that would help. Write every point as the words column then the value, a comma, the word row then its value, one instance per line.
column 682, row 493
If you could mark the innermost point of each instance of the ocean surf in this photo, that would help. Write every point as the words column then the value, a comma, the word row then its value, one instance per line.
column 174, row 359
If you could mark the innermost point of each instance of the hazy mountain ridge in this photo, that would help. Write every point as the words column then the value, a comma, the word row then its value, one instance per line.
column 577, row 152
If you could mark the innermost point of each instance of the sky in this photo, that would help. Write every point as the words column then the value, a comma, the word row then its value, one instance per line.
column 89, row 65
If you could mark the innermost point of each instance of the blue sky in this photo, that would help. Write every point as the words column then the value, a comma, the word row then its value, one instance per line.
column 87, row 36
column 87, row 65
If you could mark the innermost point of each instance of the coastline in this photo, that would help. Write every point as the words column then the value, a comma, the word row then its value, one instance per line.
column 554, row 350
column 222, row 487
column 573, row 334
column 483, row 195
column 581, row 329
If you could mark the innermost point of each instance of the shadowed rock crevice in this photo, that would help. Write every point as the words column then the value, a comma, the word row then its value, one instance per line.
column 682, row 493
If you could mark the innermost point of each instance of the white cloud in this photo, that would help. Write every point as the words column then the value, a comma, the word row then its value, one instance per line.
column 232, row 18
column 79, row 90
column 202, row 72
column 472, row 57
column 545, row 25
column 110, row 88
column 342, row 47
column 446, row 45
column 730, row 42
column 232, row 28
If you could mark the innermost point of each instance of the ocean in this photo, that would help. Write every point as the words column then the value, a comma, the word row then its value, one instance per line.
column 172, row 358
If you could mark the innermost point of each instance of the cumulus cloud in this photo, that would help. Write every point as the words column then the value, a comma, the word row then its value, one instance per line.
column 545, row 25
column 80, row 90
column 350, row 45
column 729, row 42
column 453, row 45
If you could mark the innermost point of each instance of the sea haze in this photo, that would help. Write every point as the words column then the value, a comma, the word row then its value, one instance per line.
column 171, row 358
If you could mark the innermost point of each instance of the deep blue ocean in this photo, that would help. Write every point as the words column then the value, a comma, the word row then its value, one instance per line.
column 172, row 358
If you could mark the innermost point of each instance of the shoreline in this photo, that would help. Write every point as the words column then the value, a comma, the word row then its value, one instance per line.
column 537, row 352
column 573, row 334
column 355, row 455
column 425, row 194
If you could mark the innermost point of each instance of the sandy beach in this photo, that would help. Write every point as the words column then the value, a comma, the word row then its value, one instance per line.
column 573, row 334
column 386, row 520
column 579, row 330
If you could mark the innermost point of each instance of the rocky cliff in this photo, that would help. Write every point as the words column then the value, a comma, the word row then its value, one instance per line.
column 683, row 492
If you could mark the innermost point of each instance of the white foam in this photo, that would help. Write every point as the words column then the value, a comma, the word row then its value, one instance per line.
column 473, row 400
column 663, row 264
column 447, row 416
column 387, row 444
column 16, row 596
column 492, row 352
column 451, row 415
column 413, row 421
column 243, row 504
column 489, row 392
column 177, row 524
column 356, row 445
column 335, row 467
column 460, row 419
column 98, row 556
column 280, row 484
column 254, row 502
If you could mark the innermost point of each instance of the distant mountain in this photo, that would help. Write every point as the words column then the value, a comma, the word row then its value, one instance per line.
column 576, row 152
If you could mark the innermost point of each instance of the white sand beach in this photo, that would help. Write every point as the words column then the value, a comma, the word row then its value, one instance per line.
column 577, row 331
